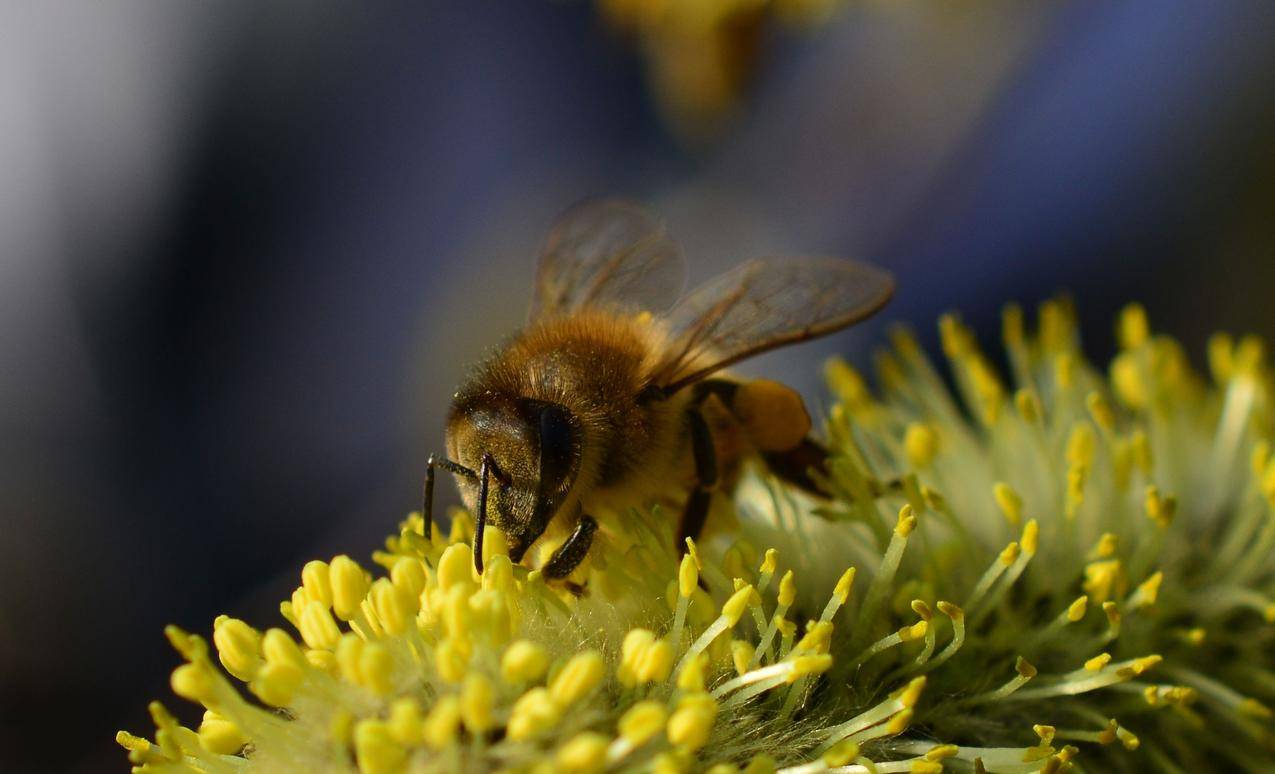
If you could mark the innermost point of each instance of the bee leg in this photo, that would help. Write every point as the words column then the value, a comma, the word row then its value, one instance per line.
column 696, row 511
column 795, row 465
column 572, row 551
column 804, row 463
column 723, row 389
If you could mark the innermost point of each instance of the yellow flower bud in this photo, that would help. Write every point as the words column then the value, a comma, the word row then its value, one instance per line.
column 671, row 763
column 1098, row 662
column 315, row 581
column 910, row 694
column 533, row 713
column 741, row 654
column 1080, row 445
column 348, row 650
column 691, row 678
column 376, row 750
column 277, row 646
column 455, row 566
column 769, row 561
column 734, row 608
column 642, row 721
column 277, row 682
column 841, row 754
column 906, row 522
column 317, row 627
column 490, row 615
column 655, row 663
column 408, row 575
column 813, row 665
column 899, row 723
column 220, row 736
column 687, row 576
column 498, row 574
column 324, row 661
column 635, row 644
column 349, row 586
column 787, row 590
column 844, row 584
column 1010, row 504
column 494, row 544
column 1127, row 381
column 692, row 550
column 914, row 632
column 195, row 682
column 692, row 722
column 817, row 637
column 395, row 606
column 1133, row 328
column 1101, row 411
column 920, row 444
column 584, row 754
column 477, row 702
column 451, row 661
column 456, row 611
column 442, row 723
column 578, row 678
column 1076, row 610
column 1030, row 540
column 238, row 647
column 523, row 662
column 1028, row 404
column 376, row 667
column 406, row 723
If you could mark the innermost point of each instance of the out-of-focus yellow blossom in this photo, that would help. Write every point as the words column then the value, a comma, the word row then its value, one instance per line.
column 700, row 55
column 1075, row 566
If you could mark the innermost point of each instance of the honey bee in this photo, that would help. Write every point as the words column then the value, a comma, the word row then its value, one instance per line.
column 612, row 395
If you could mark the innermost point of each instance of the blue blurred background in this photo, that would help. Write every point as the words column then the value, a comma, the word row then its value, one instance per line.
column 247, row 249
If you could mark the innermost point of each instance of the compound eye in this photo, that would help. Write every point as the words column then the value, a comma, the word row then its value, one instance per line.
column 557, row 446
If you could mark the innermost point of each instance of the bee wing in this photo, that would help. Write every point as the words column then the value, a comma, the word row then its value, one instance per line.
column 764, row 304
column 608, row 253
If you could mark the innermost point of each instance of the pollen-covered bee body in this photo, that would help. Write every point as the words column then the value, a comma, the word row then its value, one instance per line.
column 610, row 399
column 558, row 406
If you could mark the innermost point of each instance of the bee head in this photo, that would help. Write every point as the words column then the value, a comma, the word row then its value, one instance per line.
column 534, row 448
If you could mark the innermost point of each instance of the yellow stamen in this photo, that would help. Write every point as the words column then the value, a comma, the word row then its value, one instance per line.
column 442, row 723
column 238, row 647
column 375, row 748
column 523, row 662
column 642, row 721
column 349, row 587
column 477, row 703
column 578, row 678
column 1133, row 328
column 921, row 445
column 1010, row 504
column 692, row 722
column 584, row 754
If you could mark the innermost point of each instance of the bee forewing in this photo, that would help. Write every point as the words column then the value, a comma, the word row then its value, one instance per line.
column 763, row 304
column 608, row 253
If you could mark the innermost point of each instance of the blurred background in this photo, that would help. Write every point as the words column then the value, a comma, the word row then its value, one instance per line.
column 247, row 249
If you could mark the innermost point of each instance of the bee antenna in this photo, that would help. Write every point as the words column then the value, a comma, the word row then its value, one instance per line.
column 457, row 468
column 481, row 525
column 478, row 540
